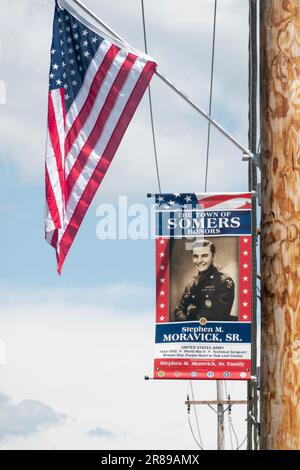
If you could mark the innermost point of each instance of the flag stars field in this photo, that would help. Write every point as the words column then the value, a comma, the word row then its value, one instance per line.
column 63, row 46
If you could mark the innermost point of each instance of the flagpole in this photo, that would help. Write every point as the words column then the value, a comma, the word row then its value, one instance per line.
column 170, row 84
column 203, row 113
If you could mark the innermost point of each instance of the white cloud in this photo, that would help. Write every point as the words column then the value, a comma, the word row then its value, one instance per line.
column 100, row 432
column 89, row 362
column 125, row 297
column 25, row 418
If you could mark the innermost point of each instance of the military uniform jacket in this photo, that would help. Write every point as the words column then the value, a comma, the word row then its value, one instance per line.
column 210, row 294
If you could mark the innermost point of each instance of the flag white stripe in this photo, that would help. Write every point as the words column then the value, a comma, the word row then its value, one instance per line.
column 49, row 236
column 109, row 128
column 51, row 162
column 49, row 224
column 88, row 126
column 60, row 121
column 88, row 80
column 54, row 181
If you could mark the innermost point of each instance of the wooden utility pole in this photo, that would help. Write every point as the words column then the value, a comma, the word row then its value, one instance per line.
column 280, row 230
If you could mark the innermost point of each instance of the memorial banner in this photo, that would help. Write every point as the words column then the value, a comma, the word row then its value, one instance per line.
column 203, row 286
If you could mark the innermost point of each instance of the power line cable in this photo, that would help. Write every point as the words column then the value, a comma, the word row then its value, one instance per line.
column 230, row 432
column 193, row 434
column 233, row 430
column 150, row 102
column 210, row 93
column 238, row 448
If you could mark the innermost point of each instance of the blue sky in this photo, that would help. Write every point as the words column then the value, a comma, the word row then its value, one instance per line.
column 91, row 261
column 77, row 341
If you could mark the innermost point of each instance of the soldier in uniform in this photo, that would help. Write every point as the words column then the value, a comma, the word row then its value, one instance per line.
column 210, row 294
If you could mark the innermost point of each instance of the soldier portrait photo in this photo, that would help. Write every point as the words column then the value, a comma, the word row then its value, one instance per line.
column 203, row 279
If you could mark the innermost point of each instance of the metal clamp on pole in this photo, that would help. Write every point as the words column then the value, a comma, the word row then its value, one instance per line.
column 254, row 421
column 255, row 157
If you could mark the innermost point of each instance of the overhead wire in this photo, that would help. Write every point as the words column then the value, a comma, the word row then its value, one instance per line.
column 150, row 102
column 193, row 434
column 210, row 93
column 206, row 167
column 233, row 429
column 208, row 143
column 238, row 448
column 198, row 442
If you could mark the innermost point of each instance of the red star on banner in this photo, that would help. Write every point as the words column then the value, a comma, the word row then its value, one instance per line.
column 245, row 278
column 162, row 285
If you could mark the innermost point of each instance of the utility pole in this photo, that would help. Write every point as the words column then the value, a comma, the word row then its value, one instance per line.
column 252, row 441
column 220, row 398
column 280, row 241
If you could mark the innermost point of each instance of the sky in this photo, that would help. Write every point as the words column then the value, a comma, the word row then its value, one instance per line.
column 78, row 346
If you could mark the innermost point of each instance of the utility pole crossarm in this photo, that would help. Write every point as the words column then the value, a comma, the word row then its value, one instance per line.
column 216, row 402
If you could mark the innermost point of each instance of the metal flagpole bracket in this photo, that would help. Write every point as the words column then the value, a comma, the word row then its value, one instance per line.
column 254, row 420
column 59, row 5
column 203, row 113
column 258, row 378
column 254, row 157
column 259, row 193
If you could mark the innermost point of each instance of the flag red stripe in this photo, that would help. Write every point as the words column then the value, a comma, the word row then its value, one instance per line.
column 218, row 199
column 100, row 123
column 91, row 98
column 54, row 239
column 247, row 205
column 54, row 136
column 51, row 201
column 104, row 162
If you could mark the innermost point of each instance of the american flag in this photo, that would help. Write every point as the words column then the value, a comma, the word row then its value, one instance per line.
column 96, row 84
column 216, row 201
